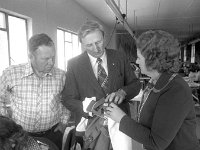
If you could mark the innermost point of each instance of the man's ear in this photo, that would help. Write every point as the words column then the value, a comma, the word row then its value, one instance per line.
column 30, row 55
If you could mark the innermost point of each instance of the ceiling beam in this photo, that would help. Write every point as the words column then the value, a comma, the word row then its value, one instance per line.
column 121, row 17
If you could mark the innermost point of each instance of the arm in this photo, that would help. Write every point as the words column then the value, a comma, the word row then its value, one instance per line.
column 130, row 86
column 4, row 93
column 64, row 119
column 170, row 112
column 70, row 94
column 65, row 113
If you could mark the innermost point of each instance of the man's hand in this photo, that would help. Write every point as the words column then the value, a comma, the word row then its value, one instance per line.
column 116, row 97
column 60, row 127
column 114, row 112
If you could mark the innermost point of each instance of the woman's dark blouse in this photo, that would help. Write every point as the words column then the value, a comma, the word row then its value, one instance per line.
column 167, row 120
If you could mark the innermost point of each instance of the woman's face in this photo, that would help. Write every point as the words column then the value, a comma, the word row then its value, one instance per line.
column 141, row 62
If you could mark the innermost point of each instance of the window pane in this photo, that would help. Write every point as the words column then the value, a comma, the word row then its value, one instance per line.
column 18, row 40
column 4, row 58
column 68, row 37
column 60, row 49
column 68, row 52
column 67, row 47
column 2, row 20
column 76, row 45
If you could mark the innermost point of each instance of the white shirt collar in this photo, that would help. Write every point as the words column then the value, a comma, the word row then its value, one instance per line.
column 94, row 63
column 93, row 60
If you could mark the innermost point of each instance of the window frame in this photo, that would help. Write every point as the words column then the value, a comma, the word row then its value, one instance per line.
column 70, row 42
column 6, row 29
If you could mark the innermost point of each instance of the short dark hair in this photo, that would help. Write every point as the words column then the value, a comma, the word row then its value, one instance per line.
column 38, row 40
column 160, row 50
column 89, row 27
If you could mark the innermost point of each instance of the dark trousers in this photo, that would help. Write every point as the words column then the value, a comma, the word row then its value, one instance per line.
column 55, row 137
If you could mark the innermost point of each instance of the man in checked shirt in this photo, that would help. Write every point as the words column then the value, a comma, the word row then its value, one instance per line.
column 30, row 93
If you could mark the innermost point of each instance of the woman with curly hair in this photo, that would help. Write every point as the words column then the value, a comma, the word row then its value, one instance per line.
column 166, row 116
column 13, row 137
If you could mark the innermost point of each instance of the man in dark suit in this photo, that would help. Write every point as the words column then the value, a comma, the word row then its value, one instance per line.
column 82, row 75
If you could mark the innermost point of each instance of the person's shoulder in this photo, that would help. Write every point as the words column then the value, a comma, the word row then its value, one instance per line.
column 18, row 66
column 58, row 73
column 116, row 53
column 58, row 70
column 15, row 68
column 180, row 83
column 75, row 60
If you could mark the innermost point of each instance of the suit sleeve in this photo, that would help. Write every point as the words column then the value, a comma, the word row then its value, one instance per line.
column 70, row 95
column 171, row 110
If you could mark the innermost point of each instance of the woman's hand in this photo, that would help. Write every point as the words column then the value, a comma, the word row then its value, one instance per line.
column 114, row 112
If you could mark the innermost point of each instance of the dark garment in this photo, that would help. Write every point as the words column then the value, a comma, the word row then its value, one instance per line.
column 167, row 120
column 81, row 83
column 55, row 137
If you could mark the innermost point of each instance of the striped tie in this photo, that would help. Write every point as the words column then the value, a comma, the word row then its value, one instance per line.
column 102, row 76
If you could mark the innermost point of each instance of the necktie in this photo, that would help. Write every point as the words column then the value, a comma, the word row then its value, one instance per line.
column 102, row 76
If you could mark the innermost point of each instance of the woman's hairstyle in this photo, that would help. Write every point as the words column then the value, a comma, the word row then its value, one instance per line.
column 160, row 50
column 39, row 40
column 12, row 136
column 89, row 27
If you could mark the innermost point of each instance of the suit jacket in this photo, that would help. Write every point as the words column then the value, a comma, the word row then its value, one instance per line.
column 81, row 81
column 167, row 119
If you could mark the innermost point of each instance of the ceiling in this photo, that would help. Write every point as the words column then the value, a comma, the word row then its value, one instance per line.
column 179, row 17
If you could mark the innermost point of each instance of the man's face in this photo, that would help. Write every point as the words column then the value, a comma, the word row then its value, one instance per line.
column 43, row 59
column 93, row 44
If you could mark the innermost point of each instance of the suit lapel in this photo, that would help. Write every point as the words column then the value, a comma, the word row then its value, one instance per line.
column 89, row 73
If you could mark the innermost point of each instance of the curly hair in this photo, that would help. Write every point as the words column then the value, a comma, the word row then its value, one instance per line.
column 12, row 136
column 160, row 50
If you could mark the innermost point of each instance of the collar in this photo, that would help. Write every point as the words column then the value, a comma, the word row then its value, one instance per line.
column 153, row 81
column 93, row 60
column 163, row 81
column 28, row 71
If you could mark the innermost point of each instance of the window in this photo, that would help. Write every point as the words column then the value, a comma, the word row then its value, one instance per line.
column 13, row 37
column 68, row 46
column 193, row 53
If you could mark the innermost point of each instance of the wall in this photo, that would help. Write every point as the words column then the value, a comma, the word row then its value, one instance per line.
column 47, row 15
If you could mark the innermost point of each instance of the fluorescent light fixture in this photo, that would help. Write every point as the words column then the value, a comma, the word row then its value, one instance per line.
column 113, row 6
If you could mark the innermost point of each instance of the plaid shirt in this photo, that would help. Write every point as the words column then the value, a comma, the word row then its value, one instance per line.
column 34, row 101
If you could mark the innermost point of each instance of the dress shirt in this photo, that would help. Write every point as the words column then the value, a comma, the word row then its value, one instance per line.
column 94, row 63
column 34, row 101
